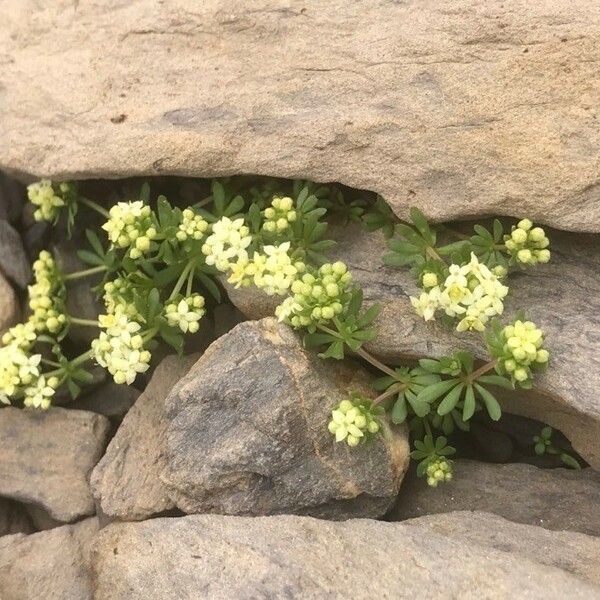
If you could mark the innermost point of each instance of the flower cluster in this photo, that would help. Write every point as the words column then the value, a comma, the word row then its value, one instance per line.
column 130, row 225
column 47, row 295
column 49, row 198
column 186, row 313
column 271, row 270
column 438, row 471
column 40, row 393
column 279, row 215
column 470, row 292
column 18, row 370
column 192, row 226
column 523, row 350
column 227, row 243
column 527, row 245
column 120, row 348
column 353, row 421
column 317, row 297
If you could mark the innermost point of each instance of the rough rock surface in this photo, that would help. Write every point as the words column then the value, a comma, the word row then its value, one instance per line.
column 13, row 260
column 9, row 308
column 247, row 433
column 552, row 498
column 48, row 456
column 461, row 108
column 573, row 552
column 126, row 482
column 565, row 396
column 220, row 557
column 50, row 564
column 13, row 518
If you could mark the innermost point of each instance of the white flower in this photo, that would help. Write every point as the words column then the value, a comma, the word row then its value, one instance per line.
column 39, row 395
column 427, row 303
column 130, row 225
column 191, row 226
column 17, row 369
column 43, row 196
column 120, row 348
column 227, row 243
column 186, row 314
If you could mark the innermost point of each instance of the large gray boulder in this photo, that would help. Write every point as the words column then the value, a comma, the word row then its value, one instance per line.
column 459, row 107
column 555, row 499
column 126, row 482
column 247, row 433
column 48, row 456
column 565, row 396
column 50, row 564
column 223, row 557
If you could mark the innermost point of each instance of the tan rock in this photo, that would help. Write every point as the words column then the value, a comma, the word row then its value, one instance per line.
column 221, row 557
column 48, row 456
column 49, row 564
column 126, row 481
column 9, row 307
column 554, row 499
column 459, row 107
column 247, row 433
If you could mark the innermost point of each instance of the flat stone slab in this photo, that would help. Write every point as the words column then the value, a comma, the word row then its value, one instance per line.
column 223, row 557
column 461, row 108
column 48, row 457
column 50, row 564
column 557, row 499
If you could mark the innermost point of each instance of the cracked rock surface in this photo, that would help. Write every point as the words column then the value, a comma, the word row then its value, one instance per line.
column 461, row 108
column 247, row 433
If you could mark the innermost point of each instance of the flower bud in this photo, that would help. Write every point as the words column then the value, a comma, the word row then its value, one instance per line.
column 525, row 224
column 519, row 236
column 543, row 256
column 524, row 256
column 430, row 280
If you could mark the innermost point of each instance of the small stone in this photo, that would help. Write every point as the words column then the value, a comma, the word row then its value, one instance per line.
column 551, row 498
column 49, row 564
column 224, row 557
column 9, row 307
column 48, row 457
column 13, row 260
column 126, row 482
column 247, row 433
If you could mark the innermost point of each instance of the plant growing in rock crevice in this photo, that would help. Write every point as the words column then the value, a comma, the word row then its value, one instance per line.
column 160, row 274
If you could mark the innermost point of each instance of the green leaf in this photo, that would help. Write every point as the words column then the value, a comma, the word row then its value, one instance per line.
column 496, row 380
column 399, row 410
column 90, row 258
column 210, row 285
column 540, row 448
column 450, row 401
column 335, row 350
column 94, row 242
column 431, row 365
column 433, row 392
column 393, row 259
column 369, row 315
column 469, row 404
column 491, row 403
column 420, row 408
column 570, row 461
column 73, row 388
column 145, row 193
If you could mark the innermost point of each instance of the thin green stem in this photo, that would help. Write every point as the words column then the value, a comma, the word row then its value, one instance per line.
column 427, row 428
column 91, row 204
column 391, row 391
column 363, row 353
column 204, row 202
column 149, row 334
column 83, row 322
column 51, row 363
column 191, row 265
column 434, row 254
column 482, row 370
column 74, row 363
column 190, row 282
column 84, row 273
column 376, row 363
